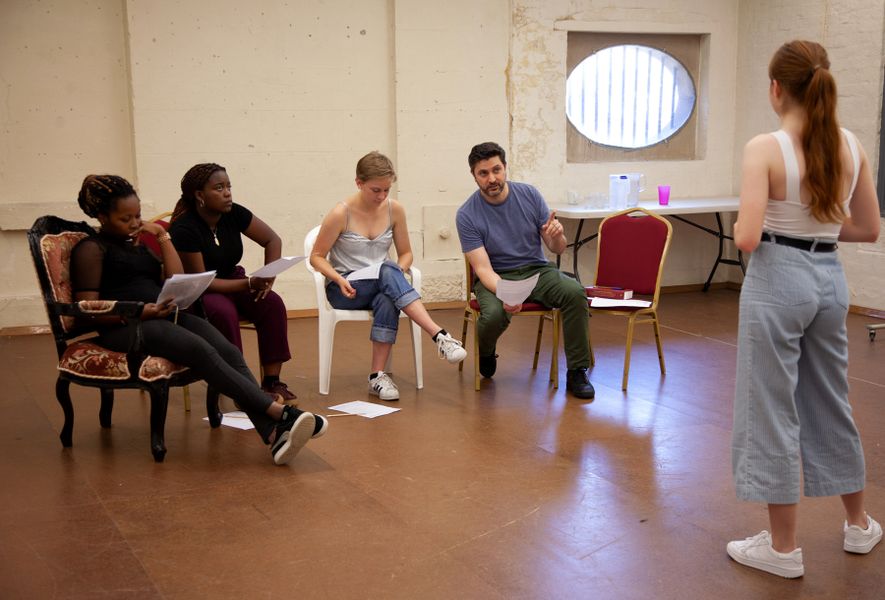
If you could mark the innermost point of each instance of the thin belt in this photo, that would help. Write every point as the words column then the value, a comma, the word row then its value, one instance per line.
column 807, row 245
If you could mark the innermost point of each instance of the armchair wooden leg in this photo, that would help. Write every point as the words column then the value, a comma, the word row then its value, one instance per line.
column 212, row 410
column 107, row 407
column 159, row 403
column 63, row 395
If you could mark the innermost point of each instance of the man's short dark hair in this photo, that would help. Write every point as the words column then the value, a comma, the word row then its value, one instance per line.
column 485, row 151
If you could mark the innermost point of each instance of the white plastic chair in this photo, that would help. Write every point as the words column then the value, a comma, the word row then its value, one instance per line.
column 329, row 317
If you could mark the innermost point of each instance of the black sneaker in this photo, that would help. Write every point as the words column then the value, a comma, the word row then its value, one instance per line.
column 320, row 426
column 488, row 365
column 577, row 382
column 292, row 432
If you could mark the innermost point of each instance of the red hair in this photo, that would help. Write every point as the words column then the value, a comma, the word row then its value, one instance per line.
column 801, row 68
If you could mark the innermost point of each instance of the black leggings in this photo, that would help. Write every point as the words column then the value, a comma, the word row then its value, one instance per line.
column 196, row 344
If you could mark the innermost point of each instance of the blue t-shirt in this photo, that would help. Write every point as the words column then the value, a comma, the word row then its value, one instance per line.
column 510, row 231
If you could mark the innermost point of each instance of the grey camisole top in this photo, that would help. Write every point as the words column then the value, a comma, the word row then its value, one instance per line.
column 352, row 251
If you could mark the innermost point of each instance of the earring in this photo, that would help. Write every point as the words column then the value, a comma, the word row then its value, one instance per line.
column 202, row 204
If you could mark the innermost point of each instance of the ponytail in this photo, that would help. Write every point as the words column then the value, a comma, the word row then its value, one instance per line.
column 802, row 70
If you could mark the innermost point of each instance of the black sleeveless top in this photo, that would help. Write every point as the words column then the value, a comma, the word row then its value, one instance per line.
column 116, row 269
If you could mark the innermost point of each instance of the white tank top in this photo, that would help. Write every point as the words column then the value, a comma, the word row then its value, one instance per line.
column 352, row 251
column 790, row 216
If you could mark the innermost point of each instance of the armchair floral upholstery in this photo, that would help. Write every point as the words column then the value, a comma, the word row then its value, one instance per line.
column 80, row 359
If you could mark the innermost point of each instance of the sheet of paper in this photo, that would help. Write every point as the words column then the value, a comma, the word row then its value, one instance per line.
column 613, row 302
column 185, row 288
column 370, row 410
column 276, row 267
column 236, row 419
column 370, row 272
column 515, row 292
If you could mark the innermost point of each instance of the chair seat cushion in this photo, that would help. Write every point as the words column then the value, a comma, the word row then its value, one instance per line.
column 89, row 360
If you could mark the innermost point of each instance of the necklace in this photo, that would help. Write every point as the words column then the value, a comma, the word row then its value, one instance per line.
column 214, row 232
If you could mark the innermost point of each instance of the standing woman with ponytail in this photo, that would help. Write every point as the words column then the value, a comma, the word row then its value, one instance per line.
column 803, row 188
column 114, row 265
column 206, row 228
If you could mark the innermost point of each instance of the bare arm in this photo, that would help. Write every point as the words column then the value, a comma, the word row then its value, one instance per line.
column 482, row 268
column 754, row 192
column 331, row 227
column 401, row 241
column 171, row 261
column 864, row 223
column 261, row 233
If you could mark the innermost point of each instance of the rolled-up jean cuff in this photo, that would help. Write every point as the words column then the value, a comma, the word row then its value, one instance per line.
column 384, row 335
column 406, row 299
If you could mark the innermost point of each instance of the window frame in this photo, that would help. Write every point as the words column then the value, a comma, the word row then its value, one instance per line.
column 686, row 143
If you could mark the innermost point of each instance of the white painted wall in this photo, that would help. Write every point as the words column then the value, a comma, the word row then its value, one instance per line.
column 287, row 95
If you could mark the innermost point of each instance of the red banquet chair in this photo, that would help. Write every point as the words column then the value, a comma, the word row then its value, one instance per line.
column 632, row 247
column 529, row 309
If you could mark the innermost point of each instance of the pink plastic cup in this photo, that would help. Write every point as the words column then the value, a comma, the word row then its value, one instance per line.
column 663, row 195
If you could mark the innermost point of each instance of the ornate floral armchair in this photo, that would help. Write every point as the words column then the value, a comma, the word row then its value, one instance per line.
column 80, row 359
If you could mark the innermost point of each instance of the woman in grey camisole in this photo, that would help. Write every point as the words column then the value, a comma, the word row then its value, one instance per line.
column 357, row 235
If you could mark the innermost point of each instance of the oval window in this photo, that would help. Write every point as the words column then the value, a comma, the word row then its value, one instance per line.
column 629, row 96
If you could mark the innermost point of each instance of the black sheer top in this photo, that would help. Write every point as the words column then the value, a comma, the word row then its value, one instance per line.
column 190, row 233
column 116, row 269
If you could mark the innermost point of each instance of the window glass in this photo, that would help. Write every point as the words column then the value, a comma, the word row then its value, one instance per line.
column 629, row 96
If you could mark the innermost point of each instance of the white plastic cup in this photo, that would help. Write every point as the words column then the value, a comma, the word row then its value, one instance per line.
column 663, row 195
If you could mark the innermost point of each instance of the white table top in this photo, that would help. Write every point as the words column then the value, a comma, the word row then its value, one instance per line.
column 677, row 206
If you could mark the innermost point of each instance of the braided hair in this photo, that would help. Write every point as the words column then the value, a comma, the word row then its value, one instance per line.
column 192, row 182
column 100, row 193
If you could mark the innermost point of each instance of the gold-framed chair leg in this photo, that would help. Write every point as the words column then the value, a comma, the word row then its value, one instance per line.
column 554, row 358
column 658, row 341
column 476, row 376
column 630, row 322
column 464, row 336
column 538, row 342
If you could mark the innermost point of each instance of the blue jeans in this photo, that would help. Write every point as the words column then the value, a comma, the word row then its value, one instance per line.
column 792, row 420
column 385, row 297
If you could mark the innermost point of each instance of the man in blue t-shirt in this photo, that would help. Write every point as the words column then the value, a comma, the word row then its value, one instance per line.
column 501, row 226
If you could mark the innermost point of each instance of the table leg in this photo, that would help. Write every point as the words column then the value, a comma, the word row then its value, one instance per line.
column 575, row 246
column 721, row 235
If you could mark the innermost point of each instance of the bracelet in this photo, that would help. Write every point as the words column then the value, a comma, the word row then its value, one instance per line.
column 164, row 237
column 249, row 283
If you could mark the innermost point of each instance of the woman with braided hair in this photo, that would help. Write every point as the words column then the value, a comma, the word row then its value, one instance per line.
column 207, row 228
column 114, row 265
column 803, row 188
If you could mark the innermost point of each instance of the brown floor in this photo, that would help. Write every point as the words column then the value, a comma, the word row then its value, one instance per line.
column 516, row 491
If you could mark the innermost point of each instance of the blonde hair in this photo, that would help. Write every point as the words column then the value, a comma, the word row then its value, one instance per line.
column 375, row 165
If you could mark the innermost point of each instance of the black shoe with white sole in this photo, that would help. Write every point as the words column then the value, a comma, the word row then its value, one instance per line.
column 292, row 432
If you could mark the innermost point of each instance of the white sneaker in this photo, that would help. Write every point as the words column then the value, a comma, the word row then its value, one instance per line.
column 861, row 541
column 383, row 387
column 449, row 348
column 757, row 552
